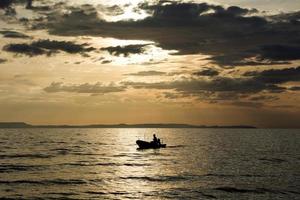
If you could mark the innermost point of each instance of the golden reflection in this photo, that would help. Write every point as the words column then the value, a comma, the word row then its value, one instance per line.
column 127, row 164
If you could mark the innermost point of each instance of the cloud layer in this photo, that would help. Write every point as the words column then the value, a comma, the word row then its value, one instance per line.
column 125, row 50
column 97, row 88
column 230, row 35
column 48, row 47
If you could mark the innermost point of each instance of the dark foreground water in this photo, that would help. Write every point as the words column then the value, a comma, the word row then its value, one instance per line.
column 105, row 164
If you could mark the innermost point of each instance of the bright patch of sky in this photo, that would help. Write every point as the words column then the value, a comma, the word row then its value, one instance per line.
column 273, row 6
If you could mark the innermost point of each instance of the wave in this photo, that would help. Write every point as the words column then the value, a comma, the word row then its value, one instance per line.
column 101, row 143
column 176, row 146
column 135, row 164
column 207, row 195
column 157, row 178
column 255, row 190
column 61, row 193
column 72, row 151
column 273, row 160
column 122, row 155
column 84, row 164
column 237, row 175
column 119, row 193
column 121, row 164
column 190, row 177
column 179, row 193
column 89, row 154
column 94, row 192
column 13, row 168
column 61, row 151
column 52, row 142
column 2, row 156
column 46, row 182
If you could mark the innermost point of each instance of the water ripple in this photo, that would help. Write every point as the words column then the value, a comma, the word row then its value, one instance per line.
column 46, row 182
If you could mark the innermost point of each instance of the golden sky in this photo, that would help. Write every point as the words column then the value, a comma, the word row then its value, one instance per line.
column 202, row 62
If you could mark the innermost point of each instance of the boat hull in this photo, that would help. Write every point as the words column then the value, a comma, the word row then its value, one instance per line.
column 149, row 145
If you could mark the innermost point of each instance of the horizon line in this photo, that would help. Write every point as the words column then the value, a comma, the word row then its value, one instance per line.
column 116, row 125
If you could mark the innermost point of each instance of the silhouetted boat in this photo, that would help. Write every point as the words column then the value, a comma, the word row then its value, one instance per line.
column 149, row 145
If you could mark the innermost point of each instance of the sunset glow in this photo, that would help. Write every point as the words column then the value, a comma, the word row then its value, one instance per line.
column 201, row 62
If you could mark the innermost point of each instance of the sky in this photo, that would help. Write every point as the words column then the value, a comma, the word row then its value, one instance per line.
column 211, row 62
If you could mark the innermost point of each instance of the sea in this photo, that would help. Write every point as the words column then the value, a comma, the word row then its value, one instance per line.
column 106, row 164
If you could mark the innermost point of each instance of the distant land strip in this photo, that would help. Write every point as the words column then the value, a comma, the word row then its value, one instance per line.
column 25, row 125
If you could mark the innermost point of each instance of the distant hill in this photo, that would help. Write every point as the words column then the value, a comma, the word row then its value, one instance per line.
column 14, row 125
column 25, row 125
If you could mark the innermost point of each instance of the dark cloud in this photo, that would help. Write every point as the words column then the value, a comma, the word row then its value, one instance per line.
column 5, row 3
column 245, row 59
column 207, row 72
column 164, row 16
column 237, row 11
column 2, row 60
column 126, row 50
column 24, row 48
column 179, row 11
column 7, row 6
column 276, row 76
column 227, row 88
column 148, row 73
column 295, row 88
column 172, row 95
column 191, row 12
column 76, row 19
column 97, row 88
column 280, row 52
column 195, row 86
column 106, row 61
column 232, row 36
column 48, row 47
column 13, row 34
column 287, row 17
column 271, row 54
column 65, row 46
column 263, row 98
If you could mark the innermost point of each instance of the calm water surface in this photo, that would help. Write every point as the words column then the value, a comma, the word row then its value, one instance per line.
column 105, row 164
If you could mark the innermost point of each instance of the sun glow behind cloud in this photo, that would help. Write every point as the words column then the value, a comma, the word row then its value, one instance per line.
column 129, row 14
column 152, row 54
column 129, row 9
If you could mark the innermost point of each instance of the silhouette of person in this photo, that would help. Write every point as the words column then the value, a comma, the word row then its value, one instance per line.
column 155, row 139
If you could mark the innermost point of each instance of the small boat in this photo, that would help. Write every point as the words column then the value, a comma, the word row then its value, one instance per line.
column 149, row 145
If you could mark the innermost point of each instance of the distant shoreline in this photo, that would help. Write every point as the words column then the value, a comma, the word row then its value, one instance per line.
column 25, row 125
